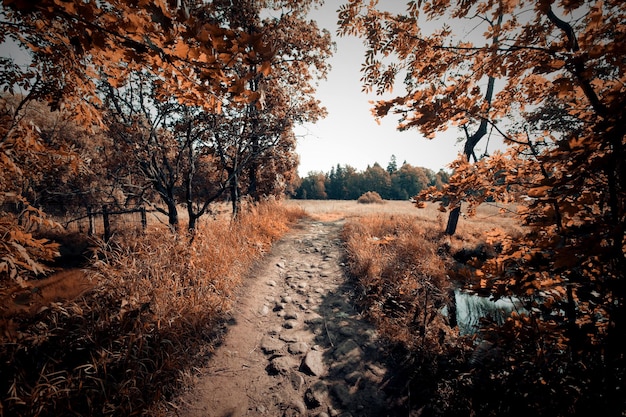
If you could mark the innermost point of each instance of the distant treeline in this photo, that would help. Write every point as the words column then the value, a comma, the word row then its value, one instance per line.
column 346, row 183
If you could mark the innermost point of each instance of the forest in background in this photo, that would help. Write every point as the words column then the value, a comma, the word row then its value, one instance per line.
column 346, row 183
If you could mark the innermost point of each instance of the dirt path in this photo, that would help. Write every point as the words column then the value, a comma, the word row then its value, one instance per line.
column 297, row 347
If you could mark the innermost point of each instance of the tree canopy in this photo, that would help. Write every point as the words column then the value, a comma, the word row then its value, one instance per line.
column 176, row 101
column 548, row 78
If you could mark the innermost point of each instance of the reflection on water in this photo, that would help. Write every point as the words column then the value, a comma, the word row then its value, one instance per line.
column 470, row 308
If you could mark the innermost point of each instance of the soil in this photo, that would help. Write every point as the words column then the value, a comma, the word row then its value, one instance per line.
column 297, row 345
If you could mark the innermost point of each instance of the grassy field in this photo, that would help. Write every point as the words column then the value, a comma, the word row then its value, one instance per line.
column 470, row 230
column 487, row 214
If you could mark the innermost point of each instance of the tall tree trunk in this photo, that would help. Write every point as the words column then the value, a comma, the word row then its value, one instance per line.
column 193, row 218
column 189, row 175
column 252, row 178
column 172, row 213
column 470, row 144
column 453, row 220
column 234, row 195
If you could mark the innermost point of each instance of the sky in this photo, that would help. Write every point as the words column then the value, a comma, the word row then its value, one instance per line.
column 349, row 135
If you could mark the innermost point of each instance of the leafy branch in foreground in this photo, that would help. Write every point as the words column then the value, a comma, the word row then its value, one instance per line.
column 562, row 116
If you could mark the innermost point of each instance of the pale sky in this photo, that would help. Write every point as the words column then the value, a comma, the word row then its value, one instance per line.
column 349, row 135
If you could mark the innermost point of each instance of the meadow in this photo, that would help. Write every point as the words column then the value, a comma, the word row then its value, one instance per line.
column 471, row 230
column 394, row 248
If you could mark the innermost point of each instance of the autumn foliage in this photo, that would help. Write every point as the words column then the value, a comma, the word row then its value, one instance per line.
column 547, row 78
column 148, row 103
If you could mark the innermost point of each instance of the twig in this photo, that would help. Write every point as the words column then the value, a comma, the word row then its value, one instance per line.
column 330, row 339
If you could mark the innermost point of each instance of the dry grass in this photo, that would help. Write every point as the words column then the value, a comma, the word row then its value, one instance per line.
column 331, row 210
column 487, row 216
column 401, row 277
column 155, row 309
column 401, row 260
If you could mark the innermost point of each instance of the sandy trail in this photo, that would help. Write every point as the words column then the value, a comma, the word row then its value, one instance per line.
column 297, row 346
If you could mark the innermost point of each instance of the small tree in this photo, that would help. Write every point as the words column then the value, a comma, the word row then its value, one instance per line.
column 408, row 181
column 312, row 187
column 375, row 178
column 392, row 166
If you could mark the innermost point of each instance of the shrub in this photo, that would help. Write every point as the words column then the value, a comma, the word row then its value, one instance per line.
column 370, row 197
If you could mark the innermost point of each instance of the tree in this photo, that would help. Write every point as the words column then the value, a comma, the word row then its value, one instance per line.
column 276, row 168
column 442, row 73
column 439, row 179
column 283, row 87
column 392, row 166
column 197, row 55
column 165, row 146
column 375, row 178
column 72, row 45
column 57, row 186
column 336, row 186
column 354, row 183
column 21, row 253
column 408, row 181
column 84, row 42
column 312, row 187
column 561, row 69
column 137, row 121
